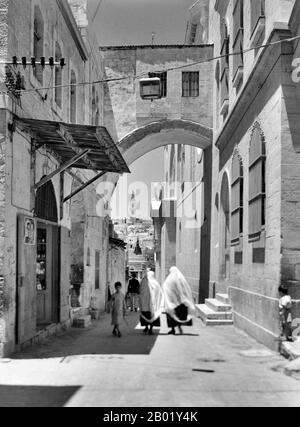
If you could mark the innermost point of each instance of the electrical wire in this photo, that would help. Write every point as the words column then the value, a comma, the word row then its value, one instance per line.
column 97, row 11
column 135, row 77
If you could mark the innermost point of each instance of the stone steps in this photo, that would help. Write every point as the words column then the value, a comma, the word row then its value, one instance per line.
column 224, row 298
column 217, row 306
column 206, row 313
column 216, row 311
column 219, row 323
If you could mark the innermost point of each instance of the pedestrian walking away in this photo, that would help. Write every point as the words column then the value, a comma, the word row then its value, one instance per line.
column 134, row 290
column 179, row 303
column 151, row 303
column 118, row 309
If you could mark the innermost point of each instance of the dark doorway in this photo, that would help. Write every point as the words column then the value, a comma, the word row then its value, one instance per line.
column 48, row 258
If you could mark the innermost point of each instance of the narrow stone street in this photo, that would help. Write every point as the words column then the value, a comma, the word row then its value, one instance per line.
column 205, row 367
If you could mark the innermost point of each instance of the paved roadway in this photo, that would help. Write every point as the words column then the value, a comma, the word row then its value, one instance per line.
column 206, row 367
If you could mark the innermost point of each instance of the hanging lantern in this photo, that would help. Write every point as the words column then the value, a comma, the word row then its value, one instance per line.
column 150, row 88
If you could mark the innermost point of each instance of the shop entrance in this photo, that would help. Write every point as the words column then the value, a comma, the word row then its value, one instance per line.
column 47, row 257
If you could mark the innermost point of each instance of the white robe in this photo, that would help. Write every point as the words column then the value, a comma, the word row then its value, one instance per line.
column 151, row 298
column 177, row 291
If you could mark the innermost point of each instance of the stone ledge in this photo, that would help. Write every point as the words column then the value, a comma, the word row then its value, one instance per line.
column 291, row 349
column 43, row 335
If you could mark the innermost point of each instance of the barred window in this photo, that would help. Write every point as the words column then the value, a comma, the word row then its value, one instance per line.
column 190, row 84
column 237, row 199
column 257, row 184
column 163, row 76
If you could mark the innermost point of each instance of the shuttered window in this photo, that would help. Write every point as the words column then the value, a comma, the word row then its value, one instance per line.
column 58, row 77
column 238, row 36
column 190, row 84
column 73, row 98
column 97, row 270
column 224, row 76
column 237, row 200
column 257, row 12
column 257, row 184
column 38, row 42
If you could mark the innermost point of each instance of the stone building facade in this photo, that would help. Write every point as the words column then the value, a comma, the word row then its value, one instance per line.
column 197, row 29
column 49, row 250
column 255, row 189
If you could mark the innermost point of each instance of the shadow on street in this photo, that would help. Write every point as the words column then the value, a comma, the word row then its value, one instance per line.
column 96, row 340
column 35, row 397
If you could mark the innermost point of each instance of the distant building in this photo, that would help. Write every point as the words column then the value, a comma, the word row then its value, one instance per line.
column 197, row 30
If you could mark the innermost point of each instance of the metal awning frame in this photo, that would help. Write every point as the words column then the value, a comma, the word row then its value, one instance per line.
column 83, row 186
column 61, row 169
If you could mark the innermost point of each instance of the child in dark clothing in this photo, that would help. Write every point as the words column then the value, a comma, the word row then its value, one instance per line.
column 285, row 306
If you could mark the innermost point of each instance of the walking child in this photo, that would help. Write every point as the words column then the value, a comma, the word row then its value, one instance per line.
column 118, row 309
column 285, row 307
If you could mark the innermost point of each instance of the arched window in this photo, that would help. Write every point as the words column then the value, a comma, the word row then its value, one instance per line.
column 58, row 77
column 45, row 203
column 237, row 199
column 73, row 98
column 38, row 42
column 224, row 72
column 257, row 184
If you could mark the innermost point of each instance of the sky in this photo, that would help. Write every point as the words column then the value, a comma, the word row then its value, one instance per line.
column 133, row 21
column 129, row 22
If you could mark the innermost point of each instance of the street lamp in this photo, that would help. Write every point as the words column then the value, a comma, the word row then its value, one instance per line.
column 150, row 88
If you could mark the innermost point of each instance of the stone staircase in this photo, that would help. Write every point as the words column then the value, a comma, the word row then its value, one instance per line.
column 216, row 312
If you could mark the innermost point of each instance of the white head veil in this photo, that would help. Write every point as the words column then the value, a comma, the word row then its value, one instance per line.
column 177, row 291
column 151, row 297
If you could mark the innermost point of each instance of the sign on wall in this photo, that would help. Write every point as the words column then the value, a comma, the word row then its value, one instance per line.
column 30, row 231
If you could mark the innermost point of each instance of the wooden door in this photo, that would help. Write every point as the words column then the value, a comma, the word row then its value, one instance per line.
column 48, row 274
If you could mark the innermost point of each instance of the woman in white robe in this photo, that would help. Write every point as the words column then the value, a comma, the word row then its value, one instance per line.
column 151, row 303
column 179, row 303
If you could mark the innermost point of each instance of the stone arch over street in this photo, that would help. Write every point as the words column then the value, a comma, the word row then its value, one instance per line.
column 171, row 133
column 164, row 133
column 182, row 117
